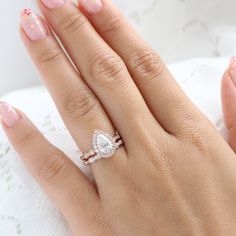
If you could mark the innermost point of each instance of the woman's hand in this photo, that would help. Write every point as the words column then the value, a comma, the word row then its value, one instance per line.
column 175, row 175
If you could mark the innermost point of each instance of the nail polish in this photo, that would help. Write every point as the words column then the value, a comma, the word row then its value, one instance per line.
column 91, row 6
column 8, row 115
column 33, row 25
column 52, row 4
column 232, row 69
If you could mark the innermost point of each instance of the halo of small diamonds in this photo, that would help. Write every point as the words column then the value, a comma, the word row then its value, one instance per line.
column 111, row 147
column 104, row 146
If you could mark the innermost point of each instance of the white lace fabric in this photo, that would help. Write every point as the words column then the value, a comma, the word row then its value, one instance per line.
column 190, row 29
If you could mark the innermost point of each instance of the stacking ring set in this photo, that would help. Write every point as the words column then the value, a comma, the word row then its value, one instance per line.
column 104, row 147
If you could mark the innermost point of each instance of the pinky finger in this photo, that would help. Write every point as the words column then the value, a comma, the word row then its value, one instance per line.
column 64, row 183
column 229, row 102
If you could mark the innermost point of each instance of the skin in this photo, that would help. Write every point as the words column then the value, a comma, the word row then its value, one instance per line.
column 174, row 176
column 229, row 108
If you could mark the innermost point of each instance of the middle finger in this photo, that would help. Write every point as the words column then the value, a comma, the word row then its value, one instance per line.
column 102, row 68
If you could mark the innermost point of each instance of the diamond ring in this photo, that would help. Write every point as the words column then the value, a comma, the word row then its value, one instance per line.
column 104, row 146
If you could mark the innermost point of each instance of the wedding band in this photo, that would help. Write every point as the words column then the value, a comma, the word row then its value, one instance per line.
column 104, row 146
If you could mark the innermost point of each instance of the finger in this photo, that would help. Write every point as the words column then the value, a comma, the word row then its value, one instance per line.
column 102, row 68
column 160, row 91
column 64, row 183
column 229, row 102
column 78, row 106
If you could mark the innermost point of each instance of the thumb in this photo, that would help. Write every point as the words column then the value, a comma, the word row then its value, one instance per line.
column 229, row 101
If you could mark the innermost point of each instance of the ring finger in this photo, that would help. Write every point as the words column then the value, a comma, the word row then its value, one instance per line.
column 79, row 107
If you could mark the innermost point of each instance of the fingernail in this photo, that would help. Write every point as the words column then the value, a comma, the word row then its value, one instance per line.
column 232, row 69
column 52, row 4
column 8, row 115
column 32, row 25
column 91, row 6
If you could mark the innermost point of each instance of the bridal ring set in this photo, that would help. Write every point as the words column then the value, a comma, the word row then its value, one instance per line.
column 104, row 146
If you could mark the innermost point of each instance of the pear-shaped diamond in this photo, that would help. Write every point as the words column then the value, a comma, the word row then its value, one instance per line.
column 103, row 144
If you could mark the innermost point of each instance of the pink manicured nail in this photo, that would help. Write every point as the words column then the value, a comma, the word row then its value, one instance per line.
column 51, row 4
column 232, row 69
column 32, row 25
column 91, row 6
column 8, row 115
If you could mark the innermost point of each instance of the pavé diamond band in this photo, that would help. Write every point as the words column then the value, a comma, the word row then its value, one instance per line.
column 104, row 146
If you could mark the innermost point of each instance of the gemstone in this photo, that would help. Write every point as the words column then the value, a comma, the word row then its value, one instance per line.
column 103, row 144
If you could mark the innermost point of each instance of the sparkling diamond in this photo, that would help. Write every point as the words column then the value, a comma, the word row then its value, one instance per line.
column 103, row 144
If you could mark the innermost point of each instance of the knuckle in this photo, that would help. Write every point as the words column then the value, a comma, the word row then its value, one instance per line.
column 103, row 225
column 106, row 68
column 148, row 64
column 53, row 166
column 113, row 26
column 80, row 104
column 198, row 136
column 131, row 185
column 72, row 23
column 157, row 153
column 50, row 55
column 156, row 148
column 27, row 138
